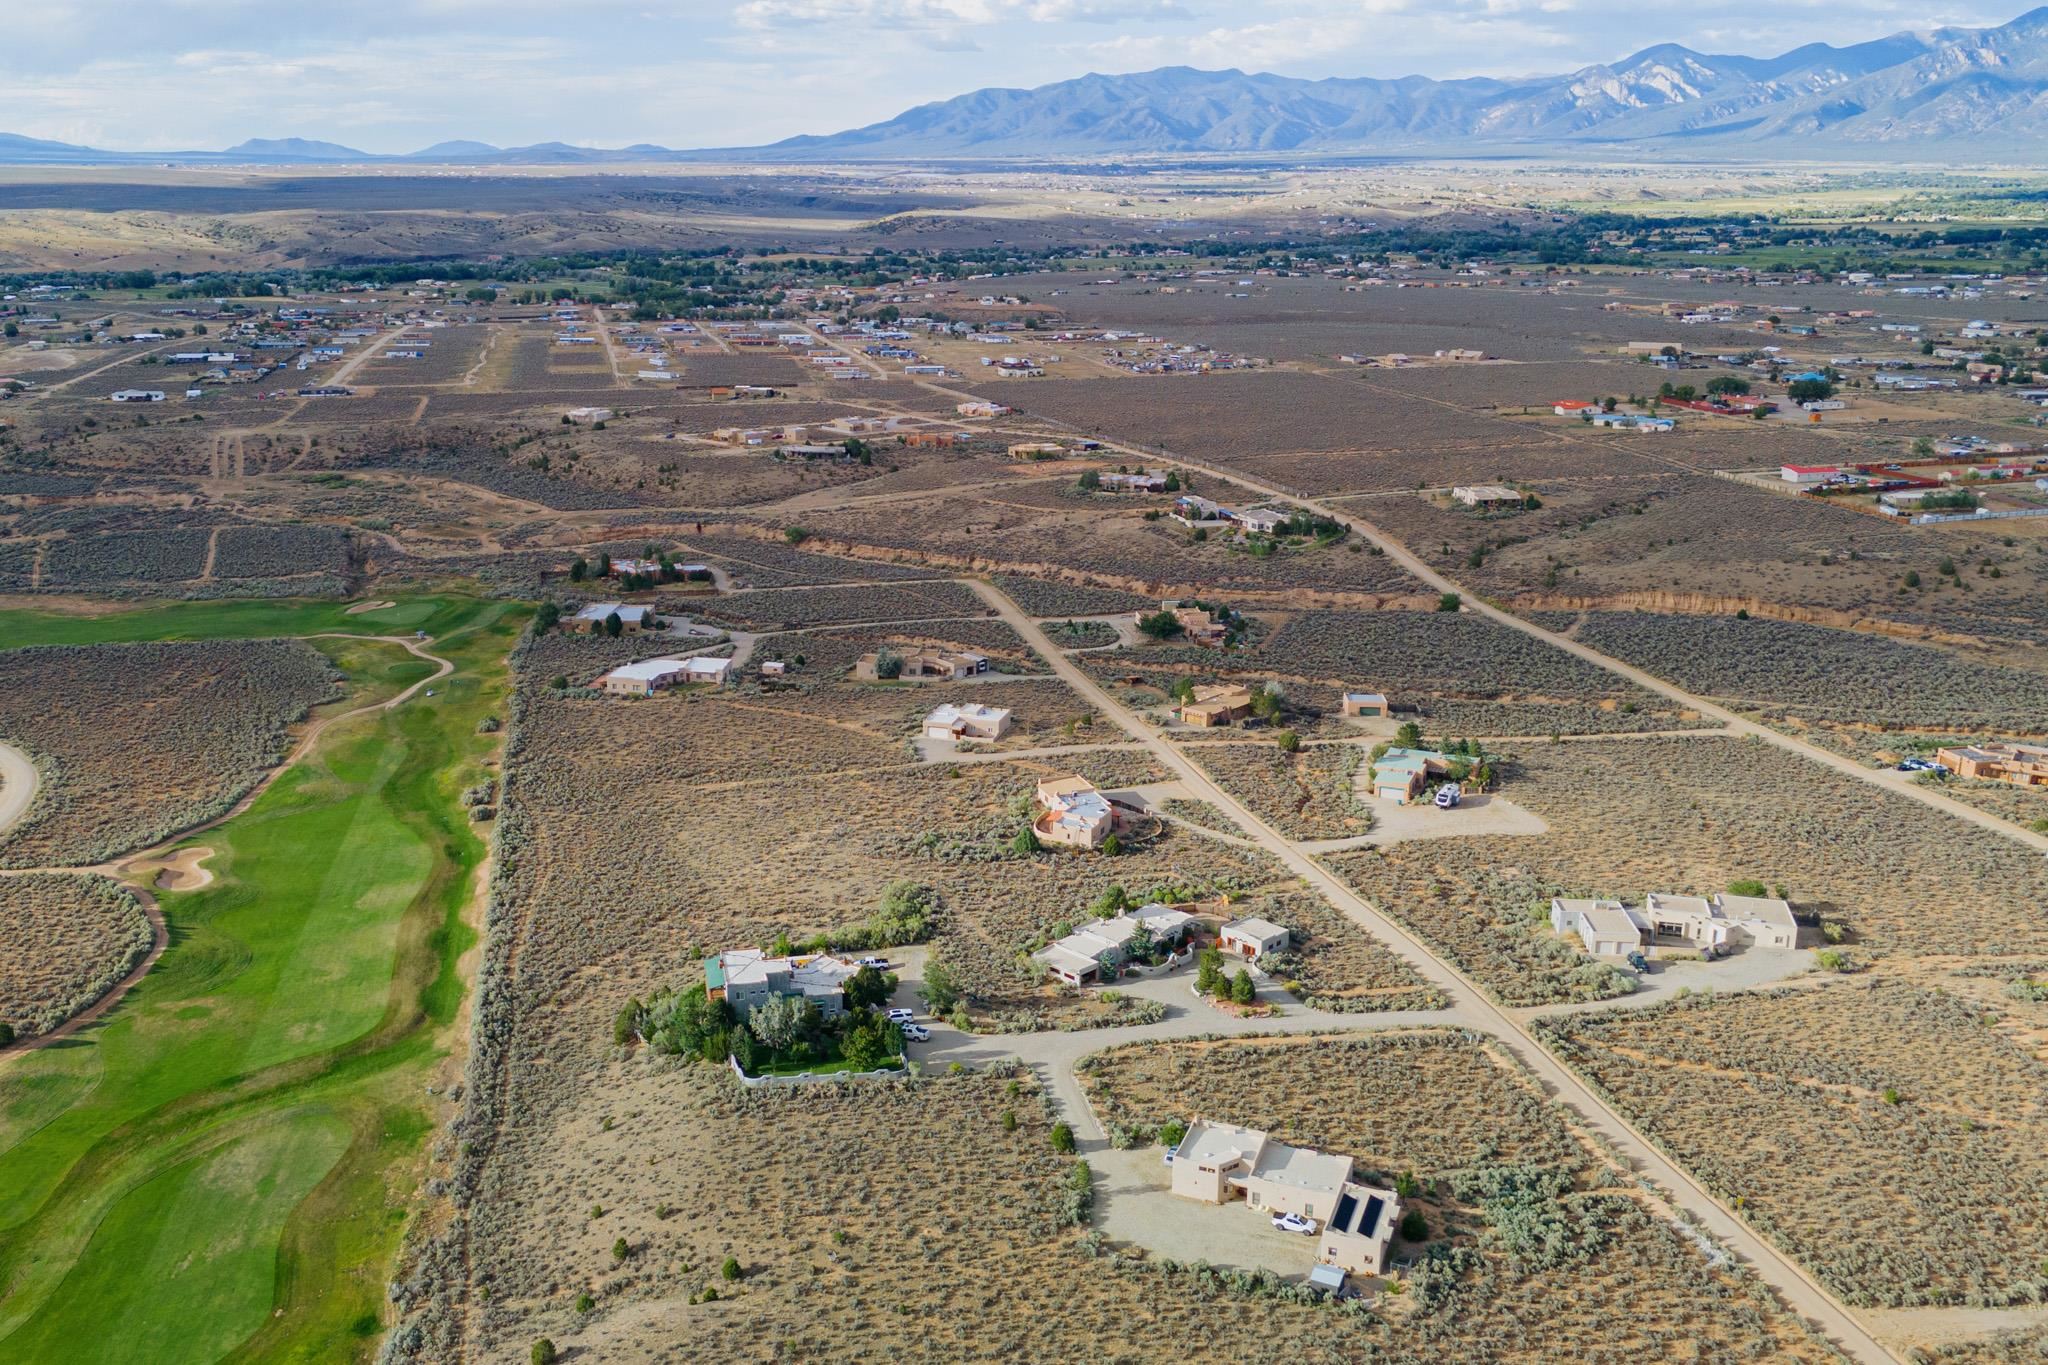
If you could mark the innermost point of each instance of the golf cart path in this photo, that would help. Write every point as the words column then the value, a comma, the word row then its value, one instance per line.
column 1471, row 1008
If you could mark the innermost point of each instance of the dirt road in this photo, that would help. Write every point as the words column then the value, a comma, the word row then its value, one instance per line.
column 1471, row 1008
column 1898, row 783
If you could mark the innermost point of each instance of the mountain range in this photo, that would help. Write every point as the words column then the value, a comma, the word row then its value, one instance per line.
column 1937, row 94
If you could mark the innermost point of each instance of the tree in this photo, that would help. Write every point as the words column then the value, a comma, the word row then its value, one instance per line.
column 613, row 626
column 888, row 665
column 1063, row 1138
column 580, row 570
column 1409, row 736
column 481, row 294
column 730, row 1270
column 1243, row 990
column 1289, row 741
column 941, row 988
column 626, row 1023
column 1113, row 846
column 1160, row 625
column 1912, row 579
column 621, row 1249
column 1091, row 481
column 1268, row 700
column 795, row 535
column 1414, row 1227
column 1727, row 384
column 1113, row 901
column 870, row 1042
column 1209, row 971
column 867, row 988
column 1450, row 601
column 1026, row 843
column 12, row 329
column 1172, row 1133
column 545, row 618
column 544, row 1352
column 781, row 1020
column 604, row 566
column 1809, row 390
column 6, row 1034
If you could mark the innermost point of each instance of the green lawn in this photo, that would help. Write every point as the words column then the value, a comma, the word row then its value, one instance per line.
column 239, row 619
column 239, row 1135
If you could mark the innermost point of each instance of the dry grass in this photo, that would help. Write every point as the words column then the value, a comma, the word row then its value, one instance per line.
column 69, row 939
column 139, row 741
column 1308, row 794
column 1886, row 1135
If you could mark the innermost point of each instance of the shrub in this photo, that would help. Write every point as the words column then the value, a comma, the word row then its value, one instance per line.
column 584, row 1303
column 1063, row 1138
column 1450, row 601
column 730, row 1269
column 543, row 1352
column 1414, row 1227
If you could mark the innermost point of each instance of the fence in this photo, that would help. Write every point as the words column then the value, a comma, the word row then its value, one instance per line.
column 1931, row 518
column 805, row 1078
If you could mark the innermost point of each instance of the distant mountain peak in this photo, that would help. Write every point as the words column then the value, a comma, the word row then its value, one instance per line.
column 295, row 148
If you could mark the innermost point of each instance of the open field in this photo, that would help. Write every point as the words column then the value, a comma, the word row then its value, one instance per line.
column 70, row 937
column 138, row 741
column 1308, row 794
column 1770, row 1098
column 1830, row 676
column 237, row 1143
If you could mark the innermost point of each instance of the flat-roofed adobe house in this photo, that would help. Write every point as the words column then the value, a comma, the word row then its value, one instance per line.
column 1102, row 945
column 1252, row 937
column 1072, row 812
column 706, row 670
column 1485, row 494
column 1402, row 774
column 1370, row 705
column 747, row 977
column 1721, row 922
column 642, row 679
column 1217, row 1162
column 1217, row 705
column 1605, row 928
column 2022, row 765
column 632, row 620
column 934, row 663
column 1262, row 521
column 1198, row 624
column 967, row 722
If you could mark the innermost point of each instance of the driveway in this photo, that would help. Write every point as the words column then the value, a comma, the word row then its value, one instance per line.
column 1134, row 1204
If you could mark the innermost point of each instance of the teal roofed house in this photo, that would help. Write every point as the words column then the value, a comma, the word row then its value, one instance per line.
column 1402, row 774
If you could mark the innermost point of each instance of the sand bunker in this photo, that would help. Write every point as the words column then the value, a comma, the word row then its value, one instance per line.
column 179, row 872
column 361, row 607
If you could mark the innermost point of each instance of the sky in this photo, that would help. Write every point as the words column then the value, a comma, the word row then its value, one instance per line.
column 398, row 75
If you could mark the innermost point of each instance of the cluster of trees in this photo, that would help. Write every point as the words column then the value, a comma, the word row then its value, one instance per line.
column 1211, row 979
column 788, row 1029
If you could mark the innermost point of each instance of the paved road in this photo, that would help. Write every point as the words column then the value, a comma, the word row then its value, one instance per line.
column 1471, row 1008
column 18, row 783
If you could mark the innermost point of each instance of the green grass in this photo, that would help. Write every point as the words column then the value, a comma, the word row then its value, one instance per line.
column 230, row 620
column 274, row 1060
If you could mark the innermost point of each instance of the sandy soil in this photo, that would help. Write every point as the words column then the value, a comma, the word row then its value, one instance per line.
column 361, row 607
column 180, row 871
column 18, row 783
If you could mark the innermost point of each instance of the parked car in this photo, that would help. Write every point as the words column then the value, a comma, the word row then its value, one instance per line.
column 1292, row 1222
column 880, row 964
column 1448, row 796
column 901, row 1016
column 1169, row 1156
column 1918, row 765
column 917, row 1033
